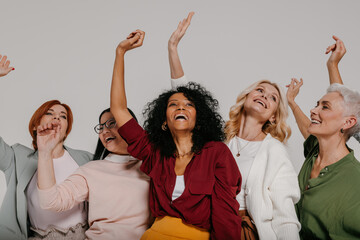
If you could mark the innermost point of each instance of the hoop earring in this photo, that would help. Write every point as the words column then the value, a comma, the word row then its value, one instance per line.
column 164, row 126
column 342, row 130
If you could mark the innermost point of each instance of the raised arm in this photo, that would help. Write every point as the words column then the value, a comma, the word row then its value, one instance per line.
column 302, row 120
column 337, row 50
column 118, row 104
column 48, row 136
column 176, row 70
column 5, row 66
column 7, row 156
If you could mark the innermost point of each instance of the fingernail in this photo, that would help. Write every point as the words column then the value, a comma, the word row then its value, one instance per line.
column 13, row 69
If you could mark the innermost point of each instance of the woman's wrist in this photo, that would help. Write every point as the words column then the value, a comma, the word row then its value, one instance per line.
column 292, row 105
column 332, row 64
column 172, row 47
column 44, row 154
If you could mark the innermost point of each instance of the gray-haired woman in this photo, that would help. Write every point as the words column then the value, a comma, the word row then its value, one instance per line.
column 329, row 179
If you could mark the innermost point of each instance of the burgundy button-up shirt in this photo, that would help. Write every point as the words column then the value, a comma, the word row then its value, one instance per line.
column 212, row 180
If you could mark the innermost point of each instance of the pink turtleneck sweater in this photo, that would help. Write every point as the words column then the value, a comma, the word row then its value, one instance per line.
column 117, row 192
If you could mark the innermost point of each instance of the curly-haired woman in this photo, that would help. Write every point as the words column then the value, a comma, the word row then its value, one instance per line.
column 194, row 178
column 255, row 134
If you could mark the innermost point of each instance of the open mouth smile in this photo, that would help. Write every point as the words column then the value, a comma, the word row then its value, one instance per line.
column 261, row 102
column 181, row 117
column 109, row 139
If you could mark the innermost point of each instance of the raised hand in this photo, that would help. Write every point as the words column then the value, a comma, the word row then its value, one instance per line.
column 48, row 136
column 134, row 40
column 4, row 66
column 180, row 31
column 338, row 51
column 293, row 90
column 302, row 120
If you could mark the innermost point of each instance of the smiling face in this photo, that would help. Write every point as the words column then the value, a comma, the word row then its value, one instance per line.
column 56, row 114
column 262, row 102
column 110, row 138
column 180, row 113
column 327, row 118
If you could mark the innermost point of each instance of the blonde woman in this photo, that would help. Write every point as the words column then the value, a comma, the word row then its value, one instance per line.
column 256, row 133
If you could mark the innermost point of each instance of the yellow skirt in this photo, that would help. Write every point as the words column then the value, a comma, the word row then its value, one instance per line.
column 165, row 228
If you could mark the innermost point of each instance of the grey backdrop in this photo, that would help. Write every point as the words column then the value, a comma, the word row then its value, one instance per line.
column 65, row 50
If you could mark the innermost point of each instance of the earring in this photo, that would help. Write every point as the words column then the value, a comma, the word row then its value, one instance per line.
column 164, row 126
column 342, row 130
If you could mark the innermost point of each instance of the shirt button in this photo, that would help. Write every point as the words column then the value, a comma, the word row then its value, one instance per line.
column 322, row 174
column 247, row 191
column 326, row 169
column 308, row 186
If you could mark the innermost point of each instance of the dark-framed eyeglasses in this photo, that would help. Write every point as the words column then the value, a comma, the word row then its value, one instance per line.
column 109, row 124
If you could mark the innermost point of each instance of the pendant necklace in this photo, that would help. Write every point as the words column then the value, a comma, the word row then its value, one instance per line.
column 238, row 144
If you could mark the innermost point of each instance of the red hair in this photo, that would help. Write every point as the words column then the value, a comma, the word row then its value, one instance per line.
column 36, row 117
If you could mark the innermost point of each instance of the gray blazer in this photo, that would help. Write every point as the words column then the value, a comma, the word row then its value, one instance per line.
column 19, row 164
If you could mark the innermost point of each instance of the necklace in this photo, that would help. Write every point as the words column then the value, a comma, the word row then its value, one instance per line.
column 238, row 144
column 178, row 155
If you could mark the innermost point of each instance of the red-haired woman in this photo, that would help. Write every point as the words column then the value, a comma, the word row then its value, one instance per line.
column 20, row 215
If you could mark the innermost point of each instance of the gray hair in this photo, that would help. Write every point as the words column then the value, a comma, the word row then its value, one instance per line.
column 352, row 107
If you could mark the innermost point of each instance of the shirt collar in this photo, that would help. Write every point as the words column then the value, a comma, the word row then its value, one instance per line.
column 118, row 158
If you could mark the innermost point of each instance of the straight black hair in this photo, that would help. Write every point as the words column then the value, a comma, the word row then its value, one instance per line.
column 101, row 152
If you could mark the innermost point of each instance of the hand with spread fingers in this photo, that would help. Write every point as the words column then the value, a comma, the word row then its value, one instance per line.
column 293, row 90
column 176, row 70
column 134, row 40
column 4, row 66
column 180, row 31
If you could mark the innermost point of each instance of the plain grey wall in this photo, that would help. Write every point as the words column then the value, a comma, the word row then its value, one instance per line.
column 65, row 50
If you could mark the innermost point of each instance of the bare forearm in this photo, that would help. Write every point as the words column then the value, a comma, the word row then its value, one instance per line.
column 334, row 73
column 118, row 103
column 176, row 70
column 302, row 120
column 46, row 175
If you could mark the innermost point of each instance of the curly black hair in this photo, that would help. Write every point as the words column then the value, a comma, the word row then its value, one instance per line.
column 208, row 127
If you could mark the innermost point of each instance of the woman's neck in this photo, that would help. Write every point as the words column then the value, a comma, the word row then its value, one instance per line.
column 183, row 142
column 331, row 149
column 251, row 129
column 58, row 150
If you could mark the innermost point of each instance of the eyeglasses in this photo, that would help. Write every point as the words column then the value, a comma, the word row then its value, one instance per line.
column 109, row 124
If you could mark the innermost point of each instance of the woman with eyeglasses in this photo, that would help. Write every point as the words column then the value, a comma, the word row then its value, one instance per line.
column 21, row 216
column 116, row 190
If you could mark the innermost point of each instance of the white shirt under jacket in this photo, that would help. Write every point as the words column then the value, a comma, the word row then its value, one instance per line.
column 271, row 192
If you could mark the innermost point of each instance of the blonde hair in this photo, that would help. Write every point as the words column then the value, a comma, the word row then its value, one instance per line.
column 279, row 129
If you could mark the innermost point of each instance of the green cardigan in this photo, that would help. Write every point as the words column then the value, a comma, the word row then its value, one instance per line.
column 19, row 164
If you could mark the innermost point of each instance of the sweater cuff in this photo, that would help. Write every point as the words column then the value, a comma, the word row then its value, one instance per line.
column 46, row 195
column 178, row 82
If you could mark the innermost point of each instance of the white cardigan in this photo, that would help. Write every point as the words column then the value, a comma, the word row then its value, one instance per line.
column 272, row 191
